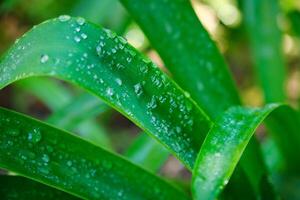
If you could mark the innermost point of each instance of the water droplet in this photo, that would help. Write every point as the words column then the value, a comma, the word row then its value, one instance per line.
column 122, row 40
column 109, row 91
column 64, row 18
column 69, row 163
column 77, row 39
column 80, row 21
column 110, row 33
column 44, row 58
column 119, row 81
column 138, row 89
column 45, row 158
column 83, row 35
column 34, row 136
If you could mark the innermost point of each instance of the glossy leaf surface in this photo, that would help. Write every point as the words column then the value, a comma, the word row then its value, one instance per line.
column 57, row 158
column 103, row 63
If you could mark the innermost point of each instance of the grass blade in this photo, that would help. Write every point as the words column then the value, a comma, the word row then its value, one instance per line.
column 99, row 61
column 223, row 148
column 16, row 187
column 187, row 50
column 266, row 42
column 203, row 72
column 48, row 155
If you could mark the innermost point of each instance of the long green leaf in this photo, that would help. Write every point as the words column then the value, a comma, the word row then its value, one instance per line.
column 187, row 50
column 191, row 57
column 103, row 63
column 69, row 114
column 266, row 42
column 223, row 148
column 16, row 187
column 59, row 159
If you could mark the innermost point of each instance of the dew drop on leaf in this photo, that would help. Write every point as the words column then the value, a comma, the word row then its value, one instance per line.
column 119, row 81
column 44, row 58
column 34, row 136
column 64, row 18
column 77, row 39
column 138, row 89
column 83, row 36
column 45, row 158
column 80, row 21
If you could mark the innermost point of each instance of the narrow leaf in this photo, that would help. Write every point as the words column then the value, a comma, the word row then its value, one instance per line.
column 104, row 64
column 223, row 148
column 266, row 42
column 187, row 50
column 59, row 159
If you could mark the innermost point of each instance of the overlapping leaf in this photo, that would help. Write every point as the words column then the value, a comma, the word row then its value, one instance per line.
column 107, row 66
column 59, row 159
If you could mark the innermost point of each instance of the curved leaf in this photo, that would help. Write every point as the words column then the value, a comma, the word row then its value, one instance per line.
column 192, row 58
column 107, row 66
column 223, row 148
column 43, row 153
column 266, row 42
column 187, row 50
column 16, row 187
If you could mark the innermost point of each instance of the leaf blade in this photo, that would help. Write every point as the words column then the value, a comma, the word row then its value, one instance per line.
column 143, row 88
column 59, row 159
column 223, row 148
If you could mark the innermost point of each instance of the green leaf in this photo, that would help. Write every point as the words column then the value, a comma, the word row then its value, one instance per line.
column 266, row 42
column 104, row 64
column 59, row 159
column 147, row 152
column 16, row 187
column 66, row 112
column 223, row 148
column 192, row 58
column 187, row 50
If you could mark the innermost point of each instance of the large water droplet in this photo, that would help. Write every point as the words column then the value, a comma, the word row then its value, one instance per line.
column 34, row 136
column 64, row 18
